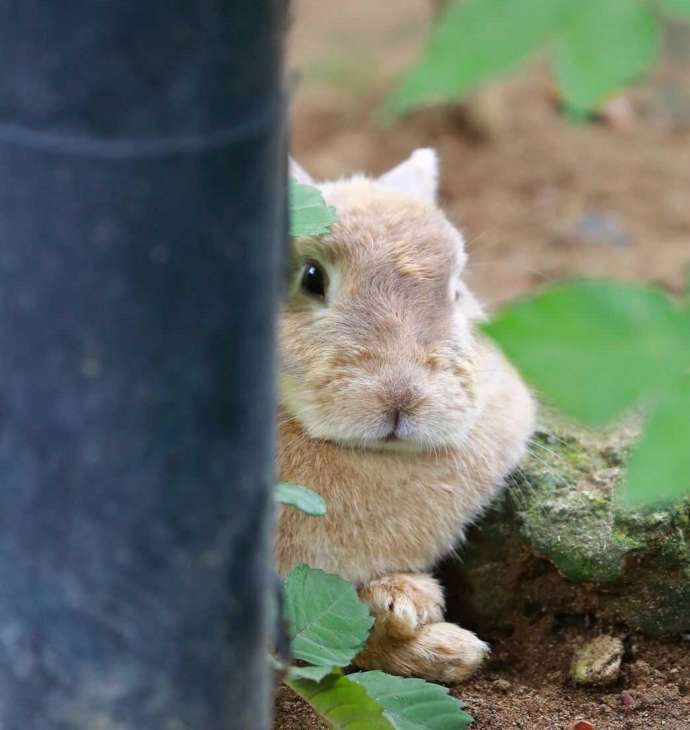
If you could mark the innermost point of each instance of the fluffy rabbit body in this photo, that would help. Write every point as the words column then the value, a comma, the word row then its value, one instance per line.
column 395, row 409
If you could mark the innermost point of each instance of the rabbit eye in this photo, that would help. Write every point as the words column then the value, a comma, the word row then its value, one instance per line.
column 314, row 280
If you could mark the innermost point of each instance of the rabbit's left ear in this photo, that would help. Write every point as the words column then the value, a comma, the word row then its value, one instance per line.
column 417, row 176
column 296, row 171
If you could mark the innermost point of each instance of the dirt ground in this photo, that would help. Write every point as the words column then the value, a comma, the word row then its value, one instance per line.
column 525, row 686
column 539, row 199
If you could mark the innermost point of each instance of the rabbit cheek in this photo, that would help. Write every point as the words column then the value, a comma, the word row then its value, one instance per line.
column 452, row 406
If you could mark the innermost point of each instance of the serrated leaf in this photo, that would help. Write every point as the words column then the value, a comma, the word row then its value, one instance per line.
column 604, row 46
column 676, row 7
column 344, row 704
column 315, row 674
column 300, row 497
column 413, row 704
column 309, row 214
column 474, row 41
column 659, row 468
column 328, row 624
column 594, row 349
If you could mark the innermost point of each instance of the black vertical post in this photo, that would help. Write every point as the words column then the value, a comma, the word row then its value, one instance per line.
column 141, row 220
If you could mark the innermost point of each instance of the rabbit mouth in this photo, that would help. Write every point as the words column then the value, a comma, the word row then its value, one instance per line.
column 397, row 431
column 393, row 445
column 392, row 442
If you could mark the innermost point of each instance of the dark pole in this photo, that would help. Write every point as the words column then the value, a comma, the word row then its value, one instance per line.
column 141, row 222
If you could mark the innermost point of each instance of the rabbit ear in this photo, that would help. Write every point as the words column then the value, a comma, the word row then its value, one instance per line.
column 472, row 308
column 417, row 176
column 299, row 173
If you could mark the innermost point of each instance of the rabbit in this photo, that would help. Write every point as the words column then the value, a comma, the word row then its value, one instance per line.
column 395, row 408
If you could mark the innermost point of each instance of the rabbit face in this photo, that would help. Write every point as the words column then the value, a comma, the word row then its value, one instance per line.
column 376, row 337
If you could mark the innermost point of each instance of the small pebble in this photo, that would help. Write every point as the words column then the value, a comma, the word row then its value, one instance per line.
column 581, row 725
column 641, row 668
column 619, row 114
column 627, row 700
column 598, row 662
column 502, row 685
column 597, row 227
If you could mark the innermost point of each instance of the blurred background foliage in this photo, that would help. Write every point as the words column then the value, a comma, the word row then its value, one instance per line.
column 595, row 47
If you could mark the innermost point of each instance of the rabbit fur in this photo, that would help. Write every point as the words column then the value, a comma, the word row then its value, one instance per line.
column 396, row 409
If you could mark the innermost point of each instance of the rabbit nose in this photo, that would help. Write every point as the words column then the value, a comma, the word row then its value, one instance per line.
column 401, row 400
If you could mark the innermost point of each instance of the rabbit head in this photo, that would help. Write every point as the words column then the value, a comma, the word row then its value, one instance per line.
column 376, row 337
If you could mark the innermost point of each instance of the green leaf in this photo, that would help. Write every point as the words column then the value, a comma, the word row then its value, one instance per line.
column 604, row 46
column 344, row 704
column 413, row 704
column 309, row 214
column 659, row 468
column 328, row 623
column 676, row 7
column 315, row 674
column 595, row 348
column 302, row 498
column 474, row 41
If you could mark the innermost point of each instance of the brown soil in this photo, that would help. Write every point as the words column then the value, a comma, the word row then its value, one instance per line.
column 526, row 686
column 530, row 190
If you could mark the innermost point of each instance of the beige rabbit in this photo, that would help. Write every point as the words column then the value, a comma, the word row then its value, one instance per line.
column 395, row 409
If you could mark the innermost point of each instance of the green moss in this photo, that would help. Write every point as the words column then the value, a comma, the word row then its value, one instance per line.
column 567, row 511
column 628, row 565
column 676, row 550
column 581, row 545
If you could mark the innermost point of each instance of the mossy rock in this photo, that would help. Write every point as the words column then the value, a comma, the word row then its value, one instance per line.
column 561, row 541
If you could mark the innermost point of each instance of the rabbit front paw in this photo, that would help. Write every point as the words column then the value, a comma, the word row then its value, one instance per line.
column 402, row 603
column 438, row 652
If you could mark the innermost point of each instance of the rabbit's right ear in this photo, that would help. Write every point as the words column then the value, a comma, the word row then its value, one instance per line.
column 299, row 173
column 417, row 176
